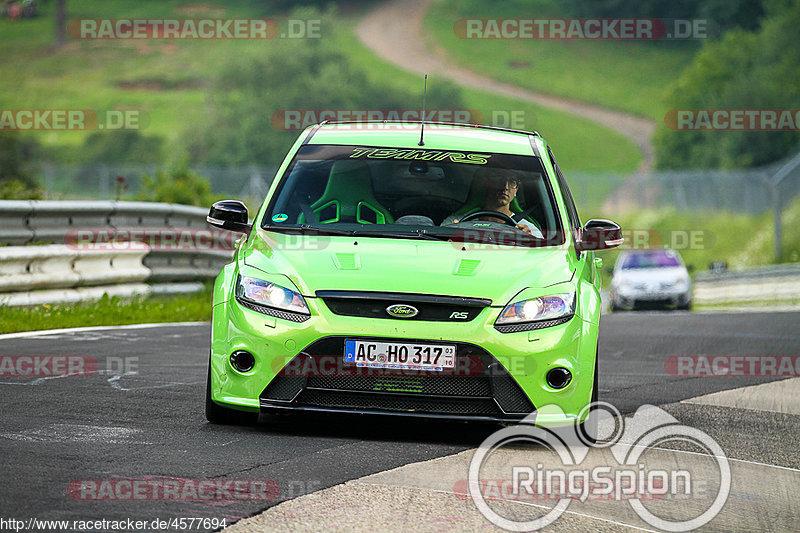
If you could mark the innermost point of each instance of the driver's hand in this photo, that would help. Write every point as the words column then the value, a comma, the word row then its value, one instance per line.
column 524, row 228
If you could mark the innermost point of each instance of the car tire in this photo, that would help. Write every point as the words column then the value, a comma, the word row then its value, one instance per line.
column 588, row 428
column 685, row 307
column 216, row 414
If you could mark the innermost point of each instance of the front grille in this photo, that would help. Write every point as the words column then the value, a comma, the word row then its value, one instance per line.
column 397, row 403
column 318, row 378
column 430, row 307
column 427, row 385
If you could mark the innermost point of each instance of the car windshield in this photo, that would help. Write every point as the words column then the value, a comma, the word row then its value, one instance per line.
column 655, row 259
column 415, row 193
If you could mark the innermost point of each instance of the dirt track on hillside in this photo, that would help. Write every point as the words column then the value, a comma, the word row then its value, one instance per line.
column 393, row 30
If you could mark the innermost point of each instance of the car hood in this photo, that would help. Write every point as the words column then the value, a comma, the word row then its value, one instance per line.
column 405, row 265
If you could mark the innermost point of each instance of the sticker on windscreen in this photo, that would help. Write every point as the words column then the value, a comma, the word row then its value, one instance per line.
column 280, row 217
column 424, row 155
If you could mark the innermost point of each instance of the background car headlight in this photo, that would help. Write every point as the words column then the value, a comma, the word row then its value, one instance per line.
column 268, row 294
column 538, row 309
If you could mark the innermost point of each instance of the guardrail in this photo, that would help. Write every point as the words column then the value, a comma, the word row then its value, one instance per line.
column 35, row 221
column 77, row 265
column 56, row 266
column 774, row 283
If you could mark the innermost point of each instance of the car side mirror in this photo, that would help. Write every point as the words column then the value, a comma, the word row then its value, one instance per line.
column 230, row 215
column 600, row 234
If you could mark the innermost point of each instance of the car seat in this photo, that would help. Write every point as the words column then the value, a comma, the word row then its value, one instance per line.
column 348, row 197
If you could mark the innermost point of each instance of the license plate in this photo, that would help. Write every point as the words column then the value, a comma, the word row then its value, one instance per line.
column 404, row 356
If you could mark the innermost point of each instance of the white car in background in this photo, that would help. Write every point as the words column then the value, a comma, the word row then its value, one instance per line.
column 650, row 278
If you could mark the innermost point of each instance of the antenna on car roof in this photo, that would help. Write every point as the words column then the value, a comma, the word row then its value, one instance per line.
column 422, row 126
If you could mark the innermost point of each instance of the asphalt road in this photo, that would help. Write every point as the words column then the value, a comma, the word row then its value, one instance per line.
column 140, row 416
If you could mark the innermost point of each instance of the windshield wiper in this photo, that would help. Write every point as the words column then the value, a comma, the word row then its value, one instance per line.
column 306, row 228
column 417, row 234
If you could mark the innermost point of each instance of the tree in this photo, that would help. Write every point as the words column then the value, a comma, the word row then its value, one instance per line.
column 61, row 24
column 293, row 74
column 16, row 153
column 743, row 70
column 178, row 185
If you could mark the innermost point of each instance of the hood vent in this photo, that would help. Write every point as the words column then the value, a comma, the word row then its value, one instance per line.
column 467, row 267
column 346, row 261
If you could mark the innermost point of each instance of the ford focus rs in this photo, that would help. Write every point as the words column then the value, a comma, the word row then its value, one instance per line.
column 444, row 276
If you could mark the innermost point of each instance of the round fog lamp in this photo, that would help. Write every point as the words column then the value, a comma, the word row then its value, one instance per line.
column 243, row 361
column 559, row 377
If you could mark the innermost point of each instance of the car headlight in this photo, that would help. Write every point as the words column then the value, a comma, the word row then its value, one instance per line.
column 270, row 295
column 540, row 309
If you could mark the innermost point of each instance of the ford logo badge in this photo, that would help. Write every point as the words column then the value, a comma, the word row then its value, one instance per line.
column 402, row 311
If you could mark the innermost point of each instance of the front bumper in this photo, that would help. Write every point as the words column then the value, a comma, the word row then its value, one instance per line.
column 630, row 297
column 507, row 385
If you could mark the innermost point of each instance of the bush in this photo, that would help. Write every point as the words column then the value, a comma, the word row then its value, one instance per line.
column 293, row 74
column 16, row 154
column 744, row 70
column 121, row 146
column 725, row 14
column 179, row 185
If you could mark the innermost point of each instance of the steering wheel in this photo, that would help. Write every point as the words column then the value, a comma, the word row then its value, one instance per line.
column 505, row 218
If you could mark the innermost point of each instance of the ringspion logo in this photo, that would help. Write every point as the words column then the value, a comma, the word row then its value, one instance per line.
column 625, row 474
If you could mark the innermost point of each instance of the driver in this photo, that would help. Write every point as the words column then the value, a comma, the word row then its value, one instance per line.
column 500, row 188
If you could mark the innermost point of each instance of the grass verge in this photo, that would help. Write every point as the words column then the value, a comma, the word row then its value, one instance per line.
column 625, row 75
column 108, row 312
column 169, row 79
column 738, row 239
column 579, row 144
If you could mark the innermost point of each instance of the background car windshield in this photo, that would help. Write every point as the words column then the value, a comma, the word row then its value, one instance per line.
column 404, row 190
column 657, row 259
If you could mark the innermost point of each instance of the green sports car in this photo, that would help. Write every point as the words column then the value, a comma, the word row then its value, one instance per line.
column 430, row 270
